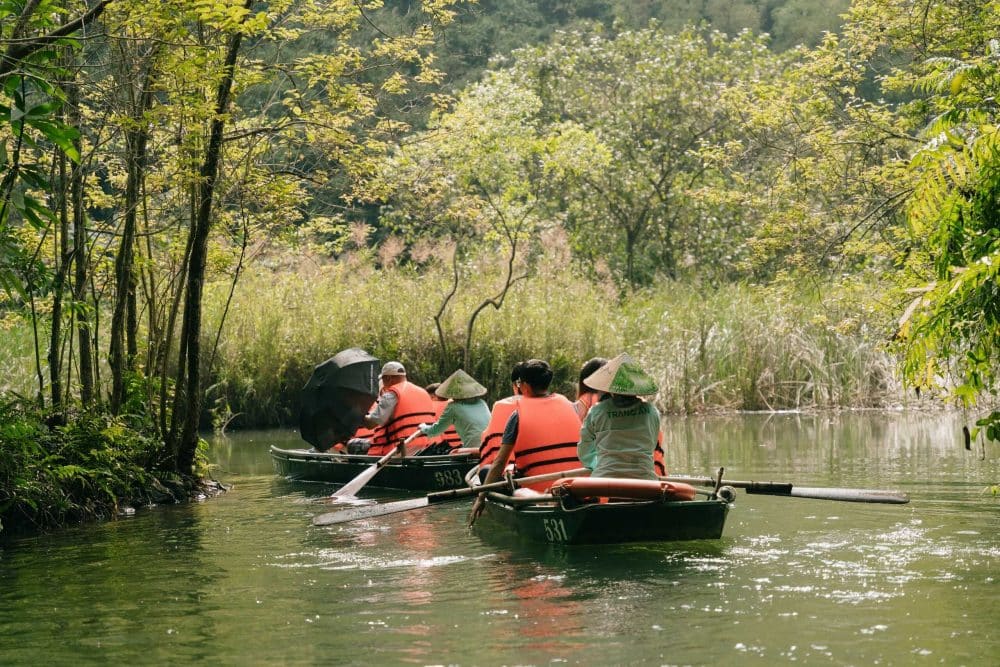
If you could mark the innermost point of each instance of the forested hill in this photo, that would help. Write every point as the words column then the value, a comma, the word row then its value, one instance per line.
column 489, row 28
column 493, row 27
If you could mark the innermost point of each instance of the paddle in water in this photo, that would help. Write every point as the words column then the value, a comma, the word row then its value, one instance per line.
column 356, row 513
column 349, row 492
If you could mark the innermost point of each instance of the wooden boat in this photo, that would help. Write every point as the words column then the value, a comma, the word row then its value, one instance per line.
column 414, row 473
column 636, row 511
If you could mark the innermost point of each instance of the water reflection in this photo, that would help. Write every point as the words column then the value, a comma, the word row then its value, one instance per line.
column 246, row 578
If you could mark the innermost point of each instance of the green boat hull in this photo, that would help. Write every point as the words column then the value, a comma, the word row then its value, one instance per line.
column 412, row 473
column 609, row 523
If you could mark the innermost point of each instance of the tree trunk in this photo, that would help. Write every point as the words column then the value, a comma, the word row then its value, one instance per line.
column 63, row 260
column 81, row 258
column 123, row 320
column 189, row 392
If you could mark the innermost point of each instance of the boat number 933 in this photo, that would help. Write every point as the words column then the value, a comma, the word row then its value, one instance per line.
column 445, row 479
column 555, row 530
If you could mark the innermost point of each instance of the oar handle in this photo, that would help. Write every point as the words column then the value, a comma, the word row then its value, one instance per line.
column 788, row 489
column 410, row 438
column 440, row 496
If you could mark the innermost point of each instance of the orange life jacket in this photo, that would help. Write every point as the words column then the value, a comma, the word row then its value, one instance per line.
column 548, row 431
column 659, row 464
column 450, row 435
column 413, row 408
column 490, row 442
column 585, row 402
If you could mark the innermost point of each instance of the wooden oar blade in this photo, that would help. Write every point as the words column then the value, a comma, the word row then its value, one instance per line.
column 368, row 511
column 844, row 495
column 351, row 488
column 792, row 491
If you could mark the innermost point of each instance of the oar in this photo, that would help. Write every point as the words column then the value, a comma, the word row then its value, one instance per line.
column 369, row 511
column 350, row 490
column 786, row 489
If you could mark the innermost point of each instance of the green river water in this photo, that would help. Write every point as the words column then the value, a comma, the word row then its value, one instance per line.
column 244, row 579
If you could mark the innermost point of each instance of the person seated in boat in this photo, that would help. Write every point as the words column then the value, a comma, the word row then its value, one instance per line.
column 490, row 443
column 401, row 408
column 464, row 411
column 541, row 434
column 620, row 434
column 585, row 396
column 448, row 440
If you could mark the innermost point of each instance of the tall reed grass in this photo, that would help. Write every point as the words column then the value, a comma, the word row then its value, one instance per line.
column 17, row 355
column 728, row 348
column 724, row 349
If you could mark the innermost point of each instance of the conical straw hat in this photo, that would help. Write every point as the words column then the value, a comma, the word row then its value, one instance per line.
column 621, row 375
column 460, row 385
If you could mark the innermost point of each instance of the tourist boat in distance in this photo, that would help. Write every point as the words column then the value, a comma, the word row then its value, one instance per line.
column 413, row 473
column 585, row 510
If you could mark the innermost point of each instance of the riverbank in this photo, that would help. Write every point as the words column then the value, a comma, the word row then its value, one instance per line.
column 93, row 467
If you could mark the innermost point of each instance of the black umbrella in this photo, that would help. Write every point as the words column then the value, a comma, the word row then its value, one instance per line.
column 337, row 397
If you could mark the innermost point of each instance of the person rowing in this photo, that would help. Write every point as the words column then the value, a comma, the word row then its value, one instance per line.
column 466, row 410
column 541, row 434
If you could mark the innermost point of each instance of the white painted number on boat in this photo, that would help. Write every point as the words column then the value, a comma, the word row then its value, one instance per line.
column 445, row 479
column 555, row 530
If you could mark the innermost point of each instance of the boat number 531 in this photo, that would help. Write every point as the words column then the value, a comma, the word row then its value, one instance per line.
column 555, row 530
column 446, row 479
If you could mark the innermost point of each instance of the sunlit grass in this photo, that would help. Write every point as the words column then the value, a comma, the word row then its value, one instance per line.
column 722, row 349
column 17, row 354
column 734, row 348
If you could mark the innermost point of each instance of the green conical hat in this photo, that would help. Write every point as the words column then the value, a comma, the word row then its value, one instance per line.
column 621, row 375
column 460, row 385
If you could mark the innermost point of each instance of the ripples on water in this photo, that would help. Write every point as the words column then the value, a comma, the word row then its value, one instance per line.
column 245, row 579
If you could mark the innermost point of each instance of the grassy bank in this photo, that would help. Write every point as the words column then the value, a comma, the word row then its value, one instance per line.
column 95, row 466
column 726, row 349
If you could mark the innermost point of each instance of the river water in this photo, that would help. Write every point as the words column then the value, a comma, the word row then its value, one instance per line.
column 244, row 579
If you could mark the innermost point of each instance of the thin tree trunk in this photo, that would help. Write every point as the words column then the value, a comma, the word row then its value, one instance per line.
column 81, row 277
column 58, row 286
column 186, row 446
column 439, row 316
column 123, row 319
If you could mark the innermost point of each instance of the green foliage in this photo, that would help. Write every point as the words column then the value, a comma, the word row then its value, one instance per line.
column 653, row 100
column 88, row 468
column 950, row 333
column 29, row 124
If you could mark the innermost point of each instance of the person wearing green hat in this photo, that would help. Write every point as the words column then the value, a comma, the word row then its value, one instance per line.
column 620, row 433
column 466, row 409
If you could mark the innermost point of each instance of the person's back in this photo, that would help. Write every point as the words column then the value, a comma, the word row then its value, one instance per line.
column 466, row 411
column 502, row 409
column 548, row 431
column 400, row 410
column 620, row 434
column 449, row 439
column 618, row 438
column 490, row 441
column 541, row 434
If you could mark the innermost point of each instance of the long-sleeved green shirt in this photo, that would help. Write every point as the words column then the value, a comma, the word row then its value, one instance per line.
column 469, row 419
column 618, row 437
